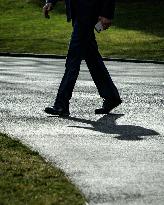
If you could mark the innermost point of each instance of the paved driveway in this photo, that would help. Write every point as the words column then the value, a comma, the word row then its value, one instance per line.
column 114, row 159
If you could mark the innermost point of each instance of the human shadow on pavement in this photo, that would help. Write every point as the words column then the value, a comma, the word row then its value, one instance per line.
column 107, row 125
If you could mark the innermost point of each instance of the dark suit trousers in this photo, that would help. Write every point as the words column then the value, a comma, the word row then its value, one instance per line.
column 84, row 46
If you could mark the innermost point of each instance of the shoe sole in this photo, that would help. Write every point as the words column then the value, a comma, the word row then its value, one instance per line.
column 51, row 112
column 101, row 111
column 104, row 111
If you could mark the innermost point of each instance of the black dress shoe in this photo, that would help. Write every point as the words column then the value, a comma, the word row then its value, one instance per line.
column 57, row 111
column 107, row 107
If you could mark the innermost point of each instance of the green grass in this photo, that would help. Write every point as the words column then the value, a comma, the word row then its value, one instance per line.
column 137, row 30
column 25, row 178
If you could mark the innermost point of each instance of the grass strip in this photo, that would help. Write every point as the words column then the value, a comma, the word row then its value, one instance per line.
column 137, row 30
column 25, row 178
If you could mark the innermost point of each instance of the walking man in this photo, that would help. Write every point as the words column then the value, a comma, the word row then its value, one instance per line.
column 84, row 15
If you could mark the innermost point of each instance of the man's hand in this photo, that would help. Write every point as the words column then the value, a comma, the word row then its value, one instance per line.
column 46, row 9
column 106, row 23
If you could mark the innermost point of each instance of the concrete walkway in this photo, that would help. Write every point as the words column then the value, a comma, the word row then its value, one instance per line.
column 114, row 159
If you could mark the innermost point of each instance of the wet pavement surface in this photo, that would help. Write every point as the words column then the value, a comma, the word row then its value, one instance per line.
column 113, row 159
